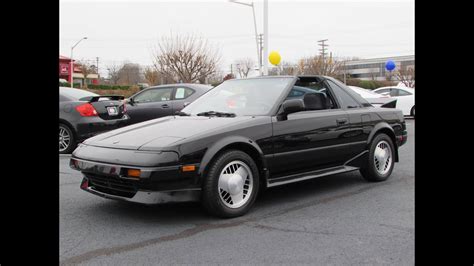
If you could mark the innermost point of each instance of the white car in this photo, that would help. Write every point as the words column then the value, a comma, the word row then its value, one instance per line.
column 373, row 98
column 405, row 98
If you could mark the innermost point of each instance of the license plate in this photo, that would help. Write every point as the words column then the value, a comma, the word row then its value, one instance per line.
column 112, row 110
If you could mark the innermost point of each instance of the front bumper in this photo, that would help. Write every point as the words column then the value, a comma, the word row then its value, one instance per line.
column 154, row 185
column 147, row 197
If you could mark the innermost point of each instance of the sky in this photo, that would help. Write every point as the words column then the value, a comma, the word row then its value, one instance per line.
column 128, row 31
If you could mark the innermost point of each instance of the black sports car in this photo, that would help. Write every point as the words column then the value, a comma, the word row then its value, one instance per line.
column 83, row 114
column 163, row 100
column 242, row 136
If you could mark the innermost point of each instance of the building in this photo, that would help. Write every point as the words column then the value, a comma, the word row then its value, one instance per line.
column 374, row 69
column 65, row 72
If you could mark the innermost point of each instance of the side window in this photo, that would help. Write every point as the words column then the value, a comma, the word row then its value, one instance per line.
column 295, row 93
column 383, row 91
column 403, row 93
column 183, row 93
column 394, row 92
column 346, row 100
column 154, row 95
column 320, row 99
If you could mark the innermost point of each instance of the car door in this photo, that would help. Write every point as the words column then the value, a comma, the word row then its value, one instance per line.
column 309, row 140
column 360, row 126
column 405, row 100
column 181, row 96
column 150, row 104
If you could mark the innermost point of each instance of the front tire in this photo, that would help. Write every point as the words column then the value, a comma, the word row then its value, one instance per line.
column 412, row 111
column 67, row 141
column 231, row 184
column 381, row 159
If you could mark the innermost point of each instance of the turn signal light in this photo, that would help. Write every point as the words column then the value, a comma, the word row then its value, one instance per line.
column 188, row 168
column 133, row 173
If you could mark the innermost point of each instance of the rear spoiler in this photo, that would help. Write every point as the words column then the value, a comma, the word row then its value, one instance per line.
column 96, row 98
column 391, row 104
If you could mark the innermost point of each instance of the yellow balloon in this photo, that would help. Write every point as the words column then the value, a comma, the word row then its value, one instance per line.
column 274, row 58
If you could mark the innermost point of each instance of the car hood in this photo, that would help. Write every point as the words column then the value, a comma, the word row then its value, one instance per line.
column 163, row 132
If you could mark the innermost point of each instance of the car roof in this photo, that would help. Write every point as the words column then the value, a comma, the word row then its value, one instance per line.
column 397, row 87
column 191, row 85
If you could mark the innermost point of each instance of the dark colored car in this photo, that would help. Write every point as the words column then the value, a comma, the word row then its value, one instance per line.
column 83, row 114
column 242, row 136
column 163, row 100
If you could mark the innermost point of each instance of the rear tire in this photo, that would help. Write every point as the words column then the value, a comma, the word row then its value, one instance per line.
column 231, row 185
column 381, row 159
column 67, row 141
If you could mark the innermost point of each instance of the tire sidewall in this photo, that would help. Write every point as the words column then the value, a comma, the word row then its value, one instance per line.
column 72, row 145
column 210, row 187
column 371, row 165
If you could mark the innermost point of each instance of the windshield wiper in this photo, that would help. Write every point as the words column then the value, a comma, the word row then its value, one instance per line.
column 214, row 113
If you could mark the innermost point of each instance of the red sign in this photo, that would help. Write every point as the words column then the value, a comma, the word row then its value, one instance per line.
column 64, row 69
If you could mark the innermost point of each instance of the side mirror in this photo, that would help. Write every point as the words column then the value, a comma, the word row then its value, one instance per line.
column 291, row 106
column 131, row 101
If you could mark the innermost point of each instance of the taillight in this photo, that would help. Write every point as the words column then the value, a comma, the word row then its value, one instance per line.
column 86, row 110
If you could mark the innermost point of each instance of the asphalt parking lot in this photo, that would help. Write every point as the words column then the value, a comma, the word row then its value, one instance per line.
column 336, row 220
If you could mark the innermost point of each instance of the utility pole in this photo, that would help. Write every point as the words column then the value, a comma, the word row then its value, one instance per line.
column 260, row 43
column 323, row 53
column 345, row 81
column 97, row 65
column 265, row 36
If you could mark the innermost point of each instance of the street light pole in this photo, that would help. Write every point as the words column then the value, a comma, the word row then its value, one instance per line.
column 256, row 32
column 72, row 62
column 256, row 40
column 265, row 36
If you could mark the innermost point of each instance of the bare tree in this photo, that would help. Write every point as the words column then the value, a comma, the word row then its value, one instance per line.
column 244, row 66
column 186, row 58
column 151, row 75
column 316, row 66
column 86, row 69
column 129, row 74
column 284, row 68
column 114, row 73
column 216, row 78
column 406, row 76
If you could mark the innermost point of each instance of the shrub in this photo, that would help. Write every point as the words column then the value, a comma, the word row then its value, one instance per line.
column 67, row 84
column 123, row 92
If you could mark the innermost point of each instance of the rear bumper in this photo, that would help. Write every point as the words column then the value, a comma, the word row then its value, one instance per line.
column 91, row 126
column 402, row 139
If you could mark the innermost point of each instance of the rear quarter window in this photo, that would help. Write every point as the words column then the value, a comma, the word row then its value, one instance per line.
column 349, row 98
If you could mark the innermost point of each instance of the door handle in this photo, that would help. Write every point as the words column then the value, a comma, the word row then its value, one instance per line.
column 165, row 106
column 341, row 121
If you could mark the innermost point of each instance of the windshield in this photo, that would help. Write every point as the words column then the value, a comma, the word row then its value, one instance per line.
column 241, row 97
